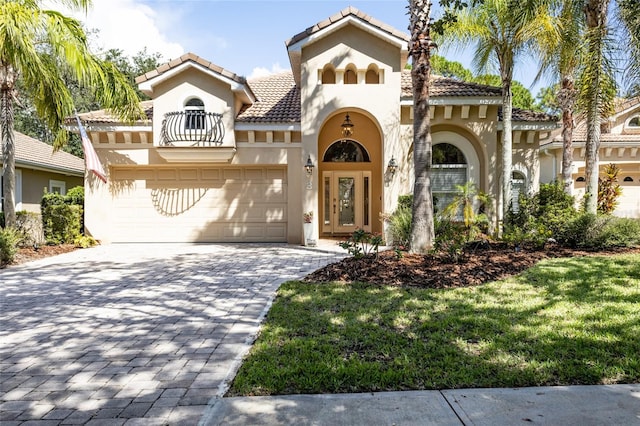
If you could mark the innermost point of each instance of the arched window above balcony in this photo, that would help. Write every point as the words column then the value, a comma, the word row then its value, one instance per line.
column 194, row 114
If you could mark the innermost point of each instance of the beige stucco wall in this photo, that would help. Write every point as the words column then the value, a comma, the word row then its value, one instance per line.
column 172, row 94
column 374, row 108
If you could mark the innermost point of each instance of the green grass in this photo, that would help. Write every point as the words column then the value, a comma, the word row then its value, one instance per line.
column 563, row 322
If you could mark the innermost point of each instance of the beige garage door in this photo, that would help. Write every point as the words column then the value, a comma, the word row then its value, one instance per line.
column 203, row 204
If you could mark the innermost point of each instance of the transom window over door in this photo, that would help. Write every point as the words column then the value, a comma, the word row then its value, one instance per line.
column 450, row 169
column 348, row 151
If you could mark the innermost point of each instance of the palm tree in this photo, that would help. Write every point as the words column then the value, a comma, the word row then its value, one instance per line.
column 598, row 87
column 37, row 46
column 563, row 60
column 502, row 31
column 420, row 45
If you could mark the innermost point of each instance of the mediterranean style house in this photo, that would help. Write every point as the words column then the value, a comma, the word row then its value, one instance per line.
column 619, row 145
column 40, row 169
column 221, row 159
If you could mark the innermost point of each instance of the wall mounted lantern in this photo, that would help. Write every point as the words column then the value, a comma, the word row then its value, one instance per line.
column 308, row 167
column 392, row 167
column 347, row 127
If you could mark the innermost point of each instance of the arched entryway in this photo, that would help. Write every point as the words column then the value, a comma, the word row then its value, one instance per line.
column 350, row 171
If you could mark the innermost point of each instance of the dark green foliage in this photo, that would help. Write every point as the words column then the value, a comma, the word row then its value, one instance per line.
column 9, row 241
column 62, row 216
column 540, row 217
column 593, row 232
column 75, row 196
column 451, row 238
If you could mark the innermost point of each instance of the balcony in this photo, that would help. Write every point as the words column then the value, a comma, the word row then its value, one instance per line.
column 194, row 136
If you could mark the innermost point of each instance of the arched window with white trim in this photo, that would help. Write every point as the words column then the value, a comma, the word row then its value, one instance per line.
column 518, row 186
column 449, row 170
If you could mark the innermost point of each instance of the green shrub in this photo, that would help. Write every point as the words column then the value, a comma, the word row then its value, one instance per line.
column 400, row 226
column 601, row 232
column 29, row 224
column 451, row 238
column 61, row 217
column 9, row 241
column 75, row 196
column 84, row 241
column 612, row 232
column 362, row 243
column 547, row 214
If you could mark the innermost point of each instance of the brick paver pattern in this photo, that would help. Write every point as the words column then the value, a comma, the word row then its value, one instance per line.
column 134, row 334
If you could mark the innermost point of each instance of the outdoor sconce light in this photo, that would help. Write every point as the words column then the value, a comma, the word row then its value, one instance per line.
column 347, row 127
column 308, row 167
column 392, row 167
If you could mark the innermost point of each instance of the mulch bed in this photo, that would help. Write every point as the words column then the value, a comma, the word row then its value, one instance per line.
column 488, row 263
column 27, row 254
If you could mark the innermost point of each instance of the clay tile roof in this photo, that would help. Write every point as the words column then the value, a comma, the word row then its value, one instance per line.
column 103, row 116
column 189, row 57
column 447, row 87
column 519, row 114
column 348, row 11
column 30, row 151
column 278, row 100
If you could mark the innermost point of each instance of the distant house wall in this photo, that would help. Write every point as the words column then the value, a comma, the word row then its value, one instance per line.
column 34, row 183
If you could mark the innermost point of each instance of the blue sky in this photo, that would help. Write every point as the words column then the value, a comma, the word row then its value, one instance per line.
column 244, row 36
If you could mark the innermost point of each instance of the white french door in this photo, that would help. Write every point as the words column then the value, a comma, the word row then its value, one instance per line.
column 347, row 201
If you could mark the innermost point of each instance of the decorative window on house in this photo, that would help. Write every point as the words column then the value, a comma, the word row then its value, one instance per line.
column 518, row 186
column 194, row 114
column 346, row 151
column 449, row 170
column 328, row 75
column 634, row 124
column 350, row 75
column 373, row 75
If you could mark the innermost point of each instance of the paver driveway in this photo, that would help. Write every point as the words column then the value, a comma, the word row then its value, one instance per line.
column 134, row 334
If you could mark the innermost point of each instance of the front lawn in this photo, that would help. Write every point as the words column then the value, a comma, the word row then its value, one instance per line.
column 563, row 322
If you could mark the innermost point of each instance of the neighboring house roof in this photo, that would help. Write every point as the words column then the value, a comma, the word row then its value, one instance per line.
column 32, row 153
column 621, row 106
column 348, row 11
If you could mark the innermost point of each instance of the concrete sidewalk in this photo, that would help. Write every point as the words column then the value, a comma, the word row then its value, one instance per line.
column 558, row 405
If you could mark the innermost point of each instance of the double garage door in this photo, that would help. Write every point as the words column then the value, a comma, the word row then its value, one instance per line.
column 199, row 204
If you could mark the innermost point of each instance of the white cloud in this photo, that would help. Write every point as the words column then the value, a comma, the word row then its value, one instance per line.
column 263, row 72
column 130, row 25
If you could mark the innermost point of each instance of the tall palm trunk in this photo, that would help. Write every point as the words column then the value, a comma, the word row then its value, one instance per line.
column 506, row 153
column 596, row 17
column 567, row 99
column 7, row 89
column 422, row 228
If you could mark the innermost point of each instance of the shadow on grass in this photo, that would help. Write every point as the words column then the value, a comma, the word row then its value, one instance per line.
column 565, row 321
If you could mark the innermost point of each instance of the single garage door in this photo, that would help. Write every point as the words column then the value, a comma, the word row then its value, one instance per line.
column 199, row 204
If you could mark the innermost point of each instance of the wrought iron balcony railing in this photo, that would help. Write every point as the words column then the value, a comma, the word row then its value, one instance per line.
column 192, row 128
